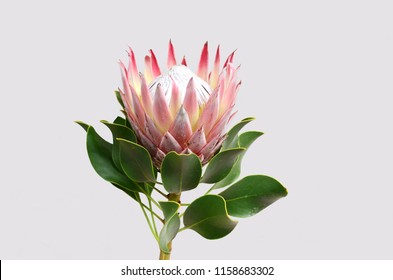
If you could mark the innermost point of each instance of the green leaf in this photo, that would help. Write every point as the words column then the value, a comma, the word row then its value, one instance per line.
column 247, row 138
column 119, row 131
column 232, row 140
column 208, row 216
column 252, row 194
column 123, row 121
column 120, row 120
column 220, row 165
column 118, row 97
column 83, row 125
column 100, row 155
column 136, row 161
column 245, row 141
column 171, row 226
column 180, row 172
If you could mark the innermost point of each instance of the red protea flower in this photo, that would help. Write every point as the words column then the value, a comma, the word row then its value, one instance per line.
column 178, row 110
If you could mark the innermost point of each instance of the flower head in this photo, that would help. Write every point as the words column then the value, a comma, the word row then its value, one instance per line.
column 178, row 110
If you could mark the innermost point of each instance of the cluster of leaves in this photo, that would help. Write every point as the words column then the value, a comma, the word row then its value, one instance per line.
column 128, row 166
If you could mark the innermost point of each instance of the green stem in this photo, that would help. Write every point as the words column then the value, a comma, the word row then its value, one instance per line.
column 174, row 197
column 152, row 212
column 152, row 218
column 148, row 221
column 183, row 228
column 166, row 256
column 163, row 255
column 209, row 190
column 149, row 197
column 159, row 191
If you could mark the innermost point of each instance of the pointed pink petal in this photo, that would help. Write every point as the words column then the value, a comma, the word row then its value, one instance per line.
column 148, row 70
column 183, row 61
column 152, row 131
column 210, row 113
column 230, row 73
column 154, row 65
column 131, row 117
column 186, row 151
column 158, row 158
column 171, row 56
column 169, row 144
column 124, row 79
column 221, row 87
column 203, row 63
column 219, row 127
column 216, row 70
column 126, row 95
column 162, row 115
column 145, row 141
column 208, row 149
column 127, row 101
column 181, row 127
column 197, row 141
column 146, row 97
column 228, row 97
column 175, row 101
column 138, row 108
column 232, row 56
column 233, row 114
column 229, row 59
column 191, row 103
column 133, row 70
column 238, row 85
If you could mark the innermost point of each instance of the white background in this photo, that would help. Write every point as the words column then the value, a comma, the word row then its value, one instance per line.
column 317, row 75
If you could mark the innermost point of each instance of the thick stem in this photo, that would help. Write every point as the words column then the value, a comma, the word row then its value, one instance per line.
column 163, row 255
column 166, row 256
column 174, row 197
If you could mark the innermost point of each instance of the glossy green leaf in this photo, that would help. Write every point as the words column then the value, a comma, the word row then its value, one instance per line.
column 120, row 120
column 100, row 155
column 247, row 138
column 83, row 125
column 232, row 139
column 171, row 226
column 123, row 121
column 180, row 172
column 118, row 97
column 252, row 194
column 136, row 161
column 119, row 131
column 245, row 141
column 220, row 165
column 208, row 216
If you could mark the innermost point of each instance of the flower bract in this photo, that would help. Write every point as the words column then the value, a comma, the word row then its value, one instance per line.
column 178, row 109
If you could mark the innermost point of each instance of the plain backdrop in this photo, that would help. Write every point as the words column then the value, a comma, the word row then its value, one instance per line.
column 317, row 75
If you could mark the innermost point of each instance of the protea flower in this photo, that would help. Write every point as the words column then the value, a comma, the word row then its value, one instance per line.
column 178, row 110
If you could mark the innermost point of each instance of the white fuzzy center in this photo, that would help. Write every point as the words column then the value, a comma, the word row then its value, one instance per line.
column 181, row 75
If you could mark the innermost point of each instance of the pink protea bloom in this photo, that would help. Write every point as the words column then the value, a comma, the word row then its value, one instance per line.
column 179, row 110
